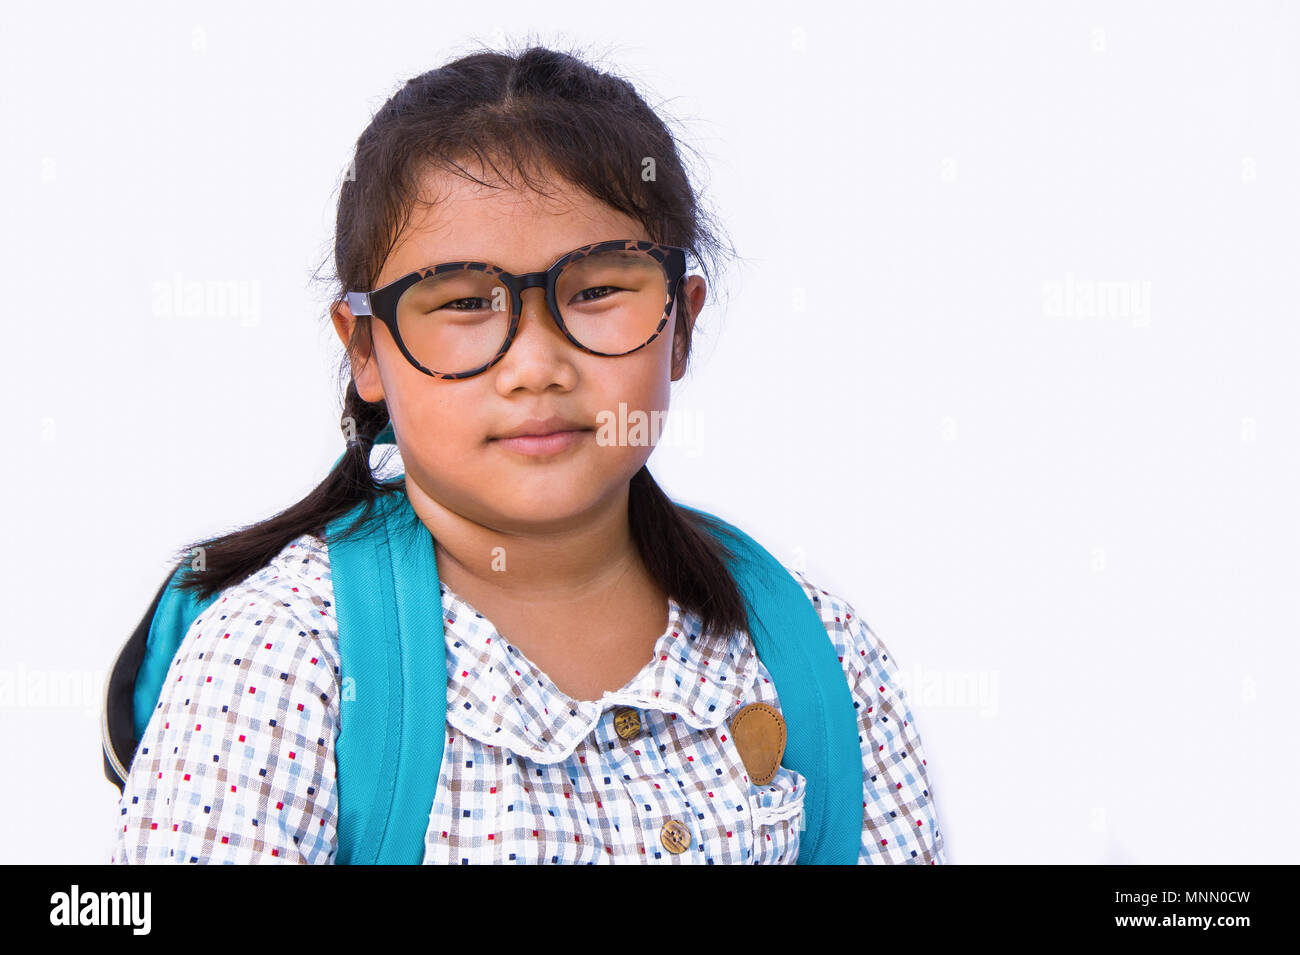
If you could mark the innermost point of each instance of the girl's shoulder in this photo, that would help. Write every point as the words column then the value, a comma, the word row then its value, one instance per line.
column 856, row 644
column 298, row 576
column 279, row 618
column 247, row 715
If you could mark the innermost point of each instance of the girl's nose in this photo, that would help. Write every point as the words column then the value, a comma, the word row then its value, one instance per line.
column 539, row 349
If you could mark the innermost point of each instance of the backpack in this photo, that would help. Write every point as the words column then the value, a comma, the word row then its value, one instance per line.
column 392, row 713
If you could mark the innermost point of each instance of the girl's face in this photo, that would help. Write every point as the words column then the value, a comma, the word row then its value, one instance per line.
column 446, row 429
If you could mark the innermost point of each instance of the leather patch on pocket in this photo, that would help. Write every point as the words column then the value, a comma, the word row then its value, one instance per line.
column 759, row 733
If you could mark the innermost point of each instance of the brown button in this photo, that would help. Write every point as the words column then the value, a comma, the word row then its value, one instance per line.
column 627, row 722
column 759, row 732
column 675, row 837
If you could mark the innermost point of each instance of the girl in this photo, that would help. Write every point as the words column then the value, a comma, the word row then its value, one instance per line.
column 511, row 253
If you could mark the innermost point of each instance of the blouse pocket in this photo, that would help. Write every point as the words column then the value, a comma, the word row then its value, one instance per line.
column 776, row 811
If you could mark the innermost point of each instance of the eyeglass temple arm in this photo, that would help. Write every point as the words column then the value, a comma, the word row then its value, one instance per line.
column 359, row 303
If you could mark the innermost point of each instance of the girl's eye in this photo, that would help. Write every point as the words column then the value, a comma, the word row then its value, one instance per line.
column 468, row 304
column 583, row 297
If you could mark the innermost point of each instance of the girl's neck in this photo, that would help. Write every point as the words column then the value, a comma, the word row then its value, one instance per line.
column 581, row 565
column 577, row 601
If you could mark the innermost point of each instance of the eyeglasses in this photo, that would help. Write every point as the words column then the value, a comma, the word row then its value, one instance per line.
column 457, row 319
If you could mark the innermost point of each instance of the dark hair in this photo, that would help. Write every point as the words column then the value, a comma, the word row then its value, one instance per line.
column 535, row 111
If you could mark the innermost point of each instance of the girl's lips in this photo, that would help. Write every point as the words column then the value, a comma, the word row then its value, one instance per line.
column 539, row 445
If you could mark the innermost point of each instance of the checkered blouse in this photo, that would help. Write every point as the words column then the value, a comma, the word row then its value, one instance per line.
column 237, row 762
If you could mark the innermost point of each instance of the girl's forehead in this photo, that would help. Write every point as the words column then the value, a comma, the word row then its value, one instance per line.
column 538, row 194
column 506, row 224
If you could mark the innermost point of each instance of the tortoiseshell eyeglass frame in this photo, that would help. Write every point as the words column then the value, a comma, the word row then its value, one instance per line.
column 382, row 302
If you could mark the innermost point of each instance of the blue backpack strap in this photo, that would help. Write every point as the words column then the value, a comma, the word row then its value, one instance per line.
column 177, row 611
column 821, row 722
column 393, row 683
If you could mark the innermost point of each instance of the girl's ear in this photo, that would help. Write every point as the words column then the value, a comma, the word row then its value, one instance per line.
column 695, row 294
column 365, row 370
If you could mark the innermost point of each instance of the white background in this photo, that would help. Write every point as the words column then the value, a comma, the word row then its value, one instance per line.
column 1076, row 532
